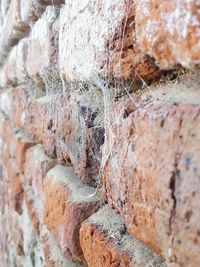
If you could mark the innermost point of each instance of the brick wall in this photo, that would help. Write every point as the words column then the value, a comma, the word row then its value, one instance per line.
column 99, row 133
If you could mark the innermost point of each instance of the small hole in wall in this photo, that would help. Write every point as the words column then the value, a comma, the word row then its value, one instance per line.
column 162, row 123
column 188, row 215
column 131, row 131
column 50, row 125
column 92, row 232
column 127, row 112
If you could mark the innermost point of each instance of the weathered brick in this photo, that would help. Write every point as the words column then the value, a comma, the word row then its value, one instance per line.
column 17, row 235
column 20, row 146
column 31, row 10
column 2, row 143
column 42, row 123
column 105, row 242
column 33, row 208
column 14, row 71
column 107, row 48
column 9, row 69
column 51, row 2
column 43, row 43
column 169, row 31
column 7, row 151
column 14, row 28
column 15, row 184
column 37, row 165
column 80, row 135
column 33, row 254
column 154, row 153
column 15, row 102
column 5, row 188
column 67, row 203
column 4, row 8
column 53, row 255
column 69, row 128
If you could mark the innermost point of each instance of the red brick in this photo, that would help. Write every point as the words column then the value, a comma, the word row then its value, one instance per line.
column 105, row 242
column 21, row 145
column 36, row 167
column 67, row 203
column 169, row 31
column 107, row 48
column 41, row 123
column 80, row 136
column 6, row 138
column 15, row 144
column 154, row 153
column 15, row 185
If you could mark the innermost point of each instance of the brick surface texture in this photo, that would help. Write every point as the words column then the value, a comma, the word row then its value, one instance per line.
column 99, row 133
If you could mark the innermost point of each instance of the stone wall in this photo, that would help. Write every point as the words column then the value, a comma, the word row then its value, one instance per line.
column 99, row 133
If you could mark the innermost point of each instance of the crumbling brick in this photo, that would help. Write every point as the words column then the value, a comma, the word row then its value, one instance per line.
column 105, row 234
column 153, row 152
column 169, row 31
column 67, row 203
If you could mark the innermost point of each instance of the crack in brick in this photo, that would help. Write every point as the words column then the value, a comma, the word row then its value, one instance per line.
column 172, row 186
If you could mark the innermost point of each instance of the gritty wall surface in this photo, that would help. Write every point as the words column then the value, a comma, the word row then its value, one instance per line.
column 99, row 133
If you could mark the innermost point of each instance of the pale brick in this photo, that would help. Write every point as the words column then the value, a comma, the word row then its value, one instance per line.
column 33, row 209
column 169, row 31
column 31, row 10
column 14, row 71
column 14, row 28
column 33, row 254
column 53, row 255
column 105, row 242
column 9, row 69
column 154, row 153
column 42, row 48
column 22, row 50
column 37, row 165
column 104, row 42
column 4, row 7
column 67, row 204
